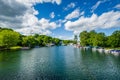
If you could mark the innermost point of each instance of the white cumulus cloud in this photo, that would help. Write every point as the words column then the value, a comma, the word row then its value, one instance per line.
column 71, row 5
column 52, row 14
column 20, row 16
column 106, row 20
column 74, row 14
column 94, row 7
column 39, row 1
column 42, row 26
column 117, row 6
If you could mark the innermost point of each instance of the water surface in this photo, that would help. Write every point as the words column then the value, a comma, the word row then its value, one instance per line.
column 58, row 63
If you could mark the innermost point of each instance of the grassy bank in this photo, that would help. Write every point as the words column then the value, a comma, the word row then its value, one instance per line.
column 118, row 48
column 15, row 48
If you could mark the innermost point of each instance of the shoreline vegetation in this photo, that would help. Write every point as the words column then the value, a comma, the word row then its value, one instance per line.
column 100, row 42
column 93, row 38
column 12, row 40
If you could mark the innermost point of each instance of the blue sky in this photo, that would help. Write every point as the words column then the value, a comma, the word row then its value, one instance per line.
column 60, row 18
column 83, row 5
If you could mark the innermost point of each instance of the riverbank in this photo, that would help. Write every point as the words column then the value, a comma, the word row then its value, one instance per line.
column 113, row 51
column 14, row 48
column 23, row 48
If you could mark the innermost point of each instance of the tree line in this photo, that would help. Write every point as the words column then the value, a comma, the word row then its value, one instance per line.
column 9, row 38
column 93, row 38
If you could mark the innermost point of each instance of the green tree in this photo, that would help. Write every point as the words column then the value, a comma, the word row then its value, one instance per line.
column 29, row 41
column 84, row 38
column 92, row 35
column 40, row 40
column 114, row 39
column 36, row 35
column 99, row 39
column 9, row 38
column 56, row 41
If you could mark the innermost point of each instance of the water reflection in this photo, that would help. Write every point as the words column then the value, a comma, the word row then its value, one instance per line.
column 58, row 63
column 101, row 66
column 9, row 64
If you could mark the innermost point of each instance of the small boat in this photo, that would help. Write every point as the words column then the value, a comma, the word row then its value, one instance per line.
column 86, row 48
column 94, row 49
column 25, row 48
column 115, row 52
column 107, row 51
column 49, row 45
column 101, row 50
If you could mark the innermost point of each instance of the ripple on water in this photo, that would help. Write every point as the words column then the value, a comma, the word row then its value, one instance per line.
column 58, row 63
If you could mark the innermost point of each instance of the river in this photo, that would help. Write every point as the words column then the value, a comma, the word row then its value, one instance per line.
column 58, row 63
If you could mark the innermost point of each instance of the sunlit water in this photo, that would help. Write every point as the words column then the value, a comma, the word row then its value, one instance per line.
column 58, row 63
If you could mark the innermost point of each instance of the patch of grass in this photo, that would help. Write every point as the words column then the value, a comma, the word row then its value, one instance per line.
column 15, row 47
column 118, row 48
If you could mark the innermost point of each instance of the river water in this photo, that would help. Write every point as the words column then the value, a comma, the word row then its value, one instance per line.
column 58, row 63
